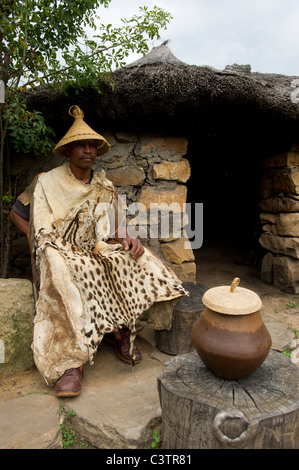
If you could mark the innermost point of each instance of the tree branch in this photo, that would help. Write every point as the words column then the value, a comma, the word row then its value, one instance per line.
column 65, row 69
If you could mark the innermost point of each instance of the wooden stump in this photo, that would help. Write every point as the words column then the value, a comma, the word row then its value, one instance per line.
column 187, row 310
column 202, row 411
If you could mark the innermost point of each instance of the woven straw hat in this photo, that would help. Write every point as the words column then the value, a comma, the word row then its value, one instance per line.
column 232, row 300
column 80, row 131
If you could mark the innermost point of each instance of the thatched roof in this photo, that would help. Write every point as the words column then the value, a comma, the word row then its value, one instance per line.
column 159, row 90
column 157, row 56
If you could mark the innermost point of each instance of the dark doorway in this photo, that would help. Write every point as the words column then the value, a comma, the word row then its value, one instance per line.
column 225, row 178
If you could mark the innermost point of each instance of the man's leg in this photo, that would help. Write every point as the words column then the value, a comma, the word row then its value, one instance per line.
column 120, row 339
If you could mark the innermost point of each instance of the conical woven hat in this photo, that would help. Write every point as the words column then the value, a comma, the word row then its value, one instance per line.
column 80, row 131
column 232, row 300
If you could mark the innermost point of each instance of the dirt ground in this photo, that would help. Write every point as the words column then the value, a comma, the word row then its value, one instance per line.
column 216, row 266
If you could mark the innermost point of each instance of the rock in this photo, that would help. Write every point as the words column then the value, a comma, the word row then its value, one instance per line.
column 17, row 312
column 288, row 224
column 155, row 195
column 168, row 148
column 119, row 405
column 284, row 224
column 286, row 182
column 286, row 274
column 178, row 251
column 295, row 356
column 126, row 176
column 281, row 271
column 109, row 163
column 176, row 171
column 186, row 272
column 281, row 337
column 116, row 151
column 294, row 344
column 268, row 218
column 279, row 204
column 280, row 245
column 282, row 160
column 30, row 422
column 270, row 228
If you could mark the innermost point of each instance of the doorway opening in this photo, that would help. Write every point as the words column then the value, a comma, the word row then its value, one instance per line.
column 225, row 177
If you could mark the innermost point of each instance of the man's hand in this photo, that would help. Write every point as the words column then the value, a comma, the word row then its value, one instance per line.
column 135, row 245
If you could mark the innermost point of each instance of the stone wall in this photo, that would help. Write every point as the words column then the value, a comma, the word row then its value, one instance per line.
column 146, row 170
column 280, row 220
column 151, row 172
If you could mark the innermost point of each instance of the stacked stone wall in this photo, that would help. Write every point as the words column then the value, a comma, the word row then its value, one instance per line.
column 151, row 172
column 280, row 220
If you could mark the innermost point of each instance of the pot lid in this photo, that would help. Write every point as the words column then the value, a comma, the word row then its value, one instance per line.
column 232, row 300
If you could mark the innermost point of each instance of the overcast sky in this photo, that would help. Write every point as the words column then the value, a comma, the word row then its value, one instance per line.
column 262, row 33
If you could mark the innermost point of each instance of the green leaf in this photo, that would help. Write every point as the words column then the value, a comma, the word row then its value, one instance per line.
column 44, row 42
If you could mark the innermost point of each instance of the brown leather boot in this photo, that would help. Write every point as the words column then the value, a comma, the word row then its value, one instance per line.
column 122, row 347
column 69, row 384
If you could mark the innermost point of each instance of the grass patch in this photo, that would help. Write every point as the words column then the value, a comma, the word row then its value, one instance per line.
column 293, row 303
column 70, row 437
column 156, row 444
column 287, row 352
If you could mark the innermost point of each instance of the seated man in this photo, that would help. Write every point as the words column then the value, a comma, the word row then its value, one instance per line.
column 86, row 288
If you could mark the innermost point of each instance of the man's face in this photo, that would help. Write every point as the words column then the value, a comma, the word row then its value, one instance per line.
column 83, row 153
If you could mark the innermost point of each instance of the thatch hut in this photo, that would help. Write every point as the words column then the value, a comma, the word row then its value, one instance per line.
column 236, row 130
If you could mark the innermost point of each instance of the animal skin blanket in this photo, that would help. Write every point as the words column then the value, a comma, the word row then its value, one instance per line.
column 86, row 286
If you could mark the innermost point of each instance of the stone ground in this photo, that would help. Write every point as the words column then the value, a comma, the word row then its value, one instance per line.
column 119, row 406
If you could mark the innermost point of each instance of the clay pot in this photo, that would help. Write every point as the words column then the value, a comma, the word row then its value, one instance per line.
column 230, row 336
